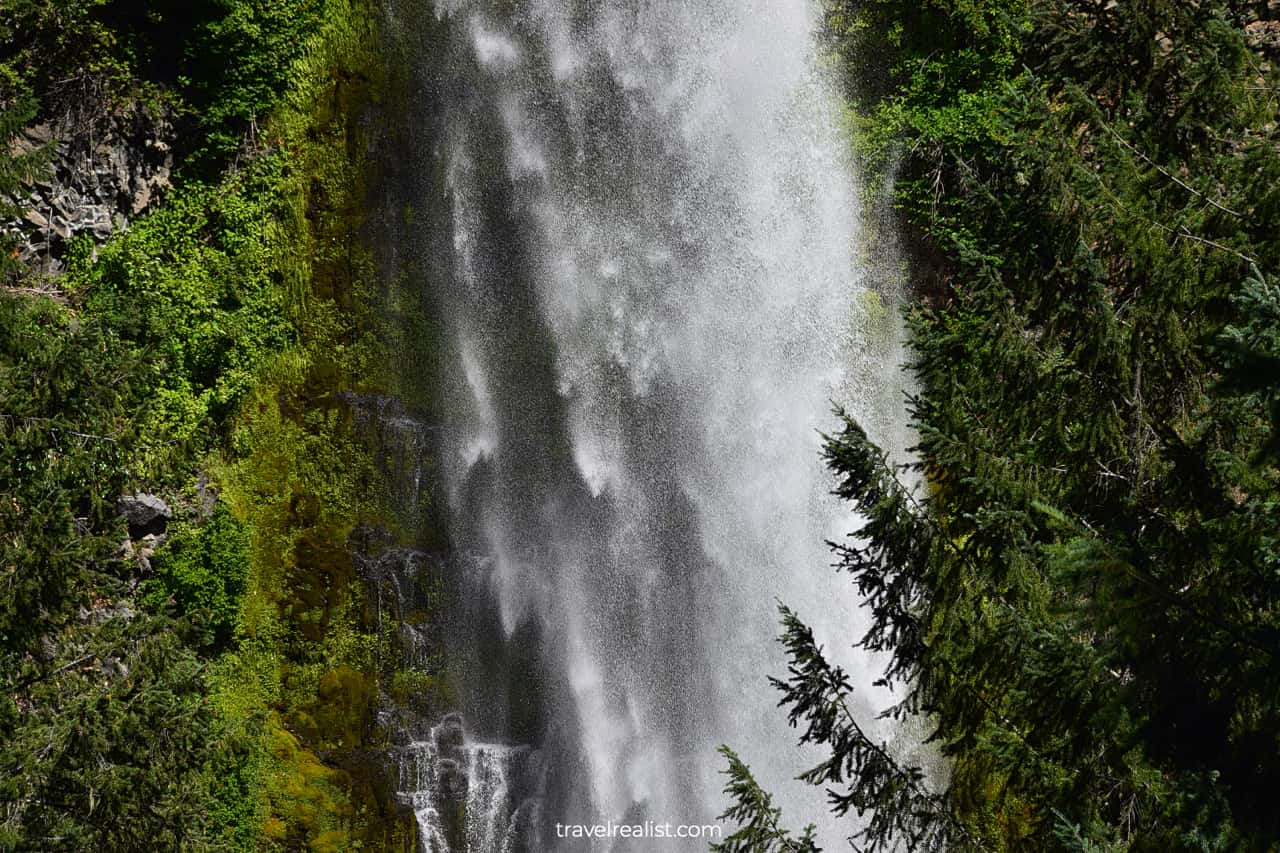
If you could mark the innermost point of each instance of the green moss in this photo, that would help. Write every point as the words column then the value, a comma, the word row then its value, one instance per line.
column 216, row 335
column 301, row 481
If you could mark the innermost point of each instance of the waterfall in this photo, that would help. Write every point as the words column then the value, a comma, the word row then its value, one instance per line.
column 653, row 293
column 463, row 793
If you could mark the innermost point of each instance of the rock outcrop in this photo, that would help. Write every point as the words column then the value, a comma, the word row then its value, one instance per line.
column 147, row 516
column 101, row 175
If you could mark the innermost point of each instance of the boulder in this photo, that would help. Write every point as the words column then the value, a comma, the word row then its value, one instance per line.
column 46, row 649
column 143, row 512
column 450, row 736
column 451, row 780
column 113, row 667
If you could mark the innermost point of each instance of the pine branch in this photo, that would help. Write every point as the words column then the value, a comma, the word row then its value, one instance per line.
column 759, row 829
column 1185, row 234
column 894, row 568
column 883, row 489
column 1153, row 164
column 892, row 572
column 903, row 810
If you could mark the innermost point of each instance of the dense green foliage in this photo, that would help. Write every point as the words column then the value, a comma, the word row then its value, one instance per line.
column 193, row 291
column 1084, row 599
column 64, row 424
column 222, row 64
column 103, row 710
column 202, row 574
column 177, row 692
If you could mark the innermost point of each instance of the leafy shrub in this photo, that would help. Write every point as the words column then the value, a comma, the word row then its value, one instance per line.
column 193, row 289
column 237, row 61
column 204, row 570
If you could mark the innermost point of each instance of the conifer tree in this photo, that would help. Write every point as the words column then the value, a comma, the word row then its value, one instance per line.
column 1083, row 597
column 17, row 109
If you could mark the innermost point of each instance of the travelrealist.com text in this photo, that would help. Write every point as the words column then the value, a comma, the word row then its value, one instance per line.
column 648, row 829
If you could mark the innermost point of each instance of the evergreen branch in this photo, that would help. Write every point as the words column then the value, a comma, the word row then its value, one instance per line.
column 1182, row 232
column 973, row 691
column 759, row 829
column 1133, row 569
column 902, row 807
column 869, row 483
column 1097, row 177
column 890, row 507
column 1153, row 164
column 1150, row 581
column 895, row 515
column 56, row 430
column 36, row 679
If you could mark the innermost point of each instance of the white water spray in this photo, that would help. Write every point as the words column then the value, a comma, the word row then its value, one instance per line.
column 656, row 297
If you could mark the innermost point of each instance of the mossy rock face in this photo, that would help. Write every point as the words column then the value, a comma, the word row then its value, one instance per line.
column 220, row 335
column 307, row 483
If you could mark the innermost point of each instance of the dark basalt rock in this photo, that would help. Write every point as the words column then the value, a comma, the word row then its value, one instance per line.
column 145, row 514
column 103, row 172
column 451, row 780
column 450, row 736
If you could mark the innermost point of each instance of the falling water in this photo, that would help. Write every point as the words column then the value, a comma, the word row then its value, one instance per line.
column 653, row 297
column 464, row 793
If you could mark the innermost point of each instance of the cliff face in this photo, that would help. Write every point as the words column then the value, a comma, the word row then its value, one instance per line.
column 103, row 173
column 217, row 333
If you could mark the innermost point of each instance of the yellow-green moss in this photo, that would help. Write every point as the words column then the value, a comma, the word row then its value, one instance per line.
column 301, row 482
